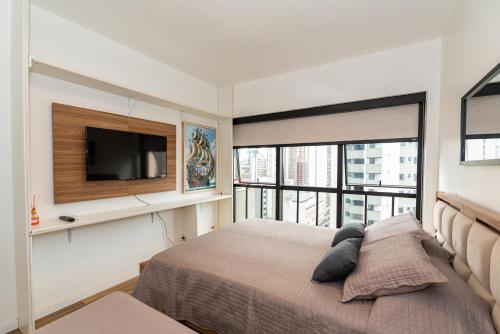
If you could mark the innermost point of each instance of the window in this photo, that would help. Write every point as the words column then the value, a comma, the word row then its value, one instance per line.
column 256, row 165
column 289, row 206
column 269, row 203
column 327, row 209
column 379, row 208
column 354, row 209
column 240, row 203
column 356, row 175
column 307, row 190
column 307, row 208
column 404, row 205
column 313, row 166
column 356, row 147
column 254, row 197
column 386, row 167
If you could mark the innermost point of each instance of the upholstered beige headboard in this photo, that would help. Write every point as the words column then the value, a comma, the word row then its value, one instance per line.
column 471, row 232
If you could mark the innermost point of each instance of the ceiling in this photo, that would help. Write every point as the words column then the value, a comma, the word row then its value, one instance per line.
column 231, row 41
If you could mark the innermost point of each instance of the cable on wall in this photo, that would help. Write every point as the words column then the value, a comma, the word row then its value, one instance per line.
column 164, row 224
column 140, row 200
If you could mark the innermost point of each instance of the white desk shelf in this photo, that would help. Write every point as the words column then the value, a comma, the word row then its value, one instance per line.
column 53, row 225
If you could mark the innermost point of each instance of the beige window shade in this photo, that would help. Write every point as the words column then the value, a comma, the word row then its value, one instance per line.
column 384, row 123
column 483, row 115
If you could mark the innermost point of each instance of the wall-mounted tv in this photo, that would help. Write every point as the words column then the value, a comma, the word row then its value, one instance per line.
column 121, row 155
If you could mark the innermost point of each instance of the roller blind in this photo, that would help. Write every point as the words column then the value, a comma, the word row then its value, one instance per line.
column 483, row 115
column 383, row 123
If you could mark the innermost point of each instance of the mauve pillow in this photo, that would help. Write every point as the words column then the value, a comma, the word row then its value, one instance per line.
column 347, row 231
column 393, row 265
column 338, row 261
column 451, row 307
column 405, row 223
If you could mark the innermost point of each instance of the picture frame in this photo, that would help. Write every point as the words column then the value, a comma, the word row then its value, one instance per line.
column 199, row 157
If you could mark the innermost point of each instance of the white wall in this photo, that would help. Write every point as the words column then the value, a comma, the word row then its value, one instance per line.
column 102, row 255
column 399, row 71
column 65, row 44
column 8, row 308
column 471, row 48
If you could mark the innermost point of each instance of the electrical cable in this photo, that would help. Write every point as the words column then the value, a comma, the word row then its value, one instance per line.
column 137, row 198
column 165, row 228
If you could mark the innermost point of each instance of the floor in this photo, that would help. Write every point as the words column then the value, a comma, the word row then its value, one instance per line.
column 127, row 287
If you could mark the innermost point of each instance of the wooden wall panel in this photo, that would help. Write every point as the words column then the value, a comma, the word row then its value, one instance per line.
column 68, row 135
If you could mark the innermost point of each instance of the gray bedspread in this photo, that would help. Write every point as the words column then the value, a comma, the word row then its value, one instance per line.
column 255, row 277
column 252, row 277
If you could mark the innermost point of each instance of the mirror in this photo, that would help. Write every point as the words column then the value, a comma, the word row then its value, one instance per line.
column 480, row 122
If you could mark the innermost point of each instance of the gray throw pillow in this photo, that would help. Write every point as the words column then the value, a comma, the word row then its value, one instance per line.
column 338, row 261
column 349, row 230
column 434, row 249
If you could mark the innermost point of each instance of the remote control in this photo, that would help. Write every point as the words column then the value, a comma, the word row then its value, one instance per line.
column 67, row 219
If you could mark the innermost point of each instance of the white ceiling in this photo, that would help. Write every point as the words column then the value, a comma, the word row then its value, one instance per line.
column 230, row 41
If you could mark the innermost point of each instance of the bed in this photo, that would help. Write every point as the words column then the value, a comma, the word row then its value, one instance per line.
column 255, row 277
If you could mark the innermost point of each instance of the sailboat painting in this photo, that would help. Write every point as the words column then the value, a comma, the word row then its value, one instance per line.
column 200, row 157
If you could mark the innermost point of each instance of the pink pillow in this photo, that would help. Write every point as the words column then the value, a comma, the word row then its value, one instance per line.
column 405, row 223
column 393, row 265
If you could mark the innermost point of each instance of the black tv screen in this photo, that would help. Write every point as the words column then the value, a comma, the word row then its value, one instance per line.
column 120, row 155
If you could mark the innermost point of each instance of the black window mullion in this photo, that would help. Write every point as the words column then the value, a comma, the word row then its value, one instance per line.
column 340, row 185
column 297, row 218
column 392, row 206
column 420, row 157
column 238, row 164
column 366, row 208
column 317, row 208
column 279, row 204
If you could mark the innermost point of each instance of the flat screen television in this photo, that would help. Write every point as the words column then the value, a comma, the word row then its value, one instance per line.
column 120, row 155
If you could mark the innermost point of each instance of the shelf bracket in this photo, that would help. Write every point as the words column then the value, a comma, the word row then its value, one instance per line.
column 70, row 234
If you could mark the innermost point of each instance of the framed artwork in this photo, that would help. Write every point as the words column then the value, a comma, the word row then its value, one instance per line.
column 199, row 145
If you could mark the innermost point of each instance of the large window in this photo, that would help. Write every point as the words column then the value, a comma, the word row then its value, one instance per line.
column 309, row 184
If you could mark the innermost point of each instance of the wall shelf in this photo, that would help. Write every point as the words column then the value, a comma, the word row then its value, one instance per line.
column 53, row 225
column 45, row 68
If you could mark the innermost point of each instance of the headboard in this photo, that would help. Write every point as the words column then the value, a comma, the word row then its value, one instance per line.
column 472, row 233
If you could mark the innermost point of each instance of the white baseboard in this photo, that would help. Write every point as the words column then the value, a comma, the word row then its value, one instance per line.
column 48, row 309
column 9, row 326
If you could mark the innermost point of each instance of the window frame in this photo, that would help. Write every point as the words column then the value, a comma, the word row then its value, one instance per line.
column 380, row 184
